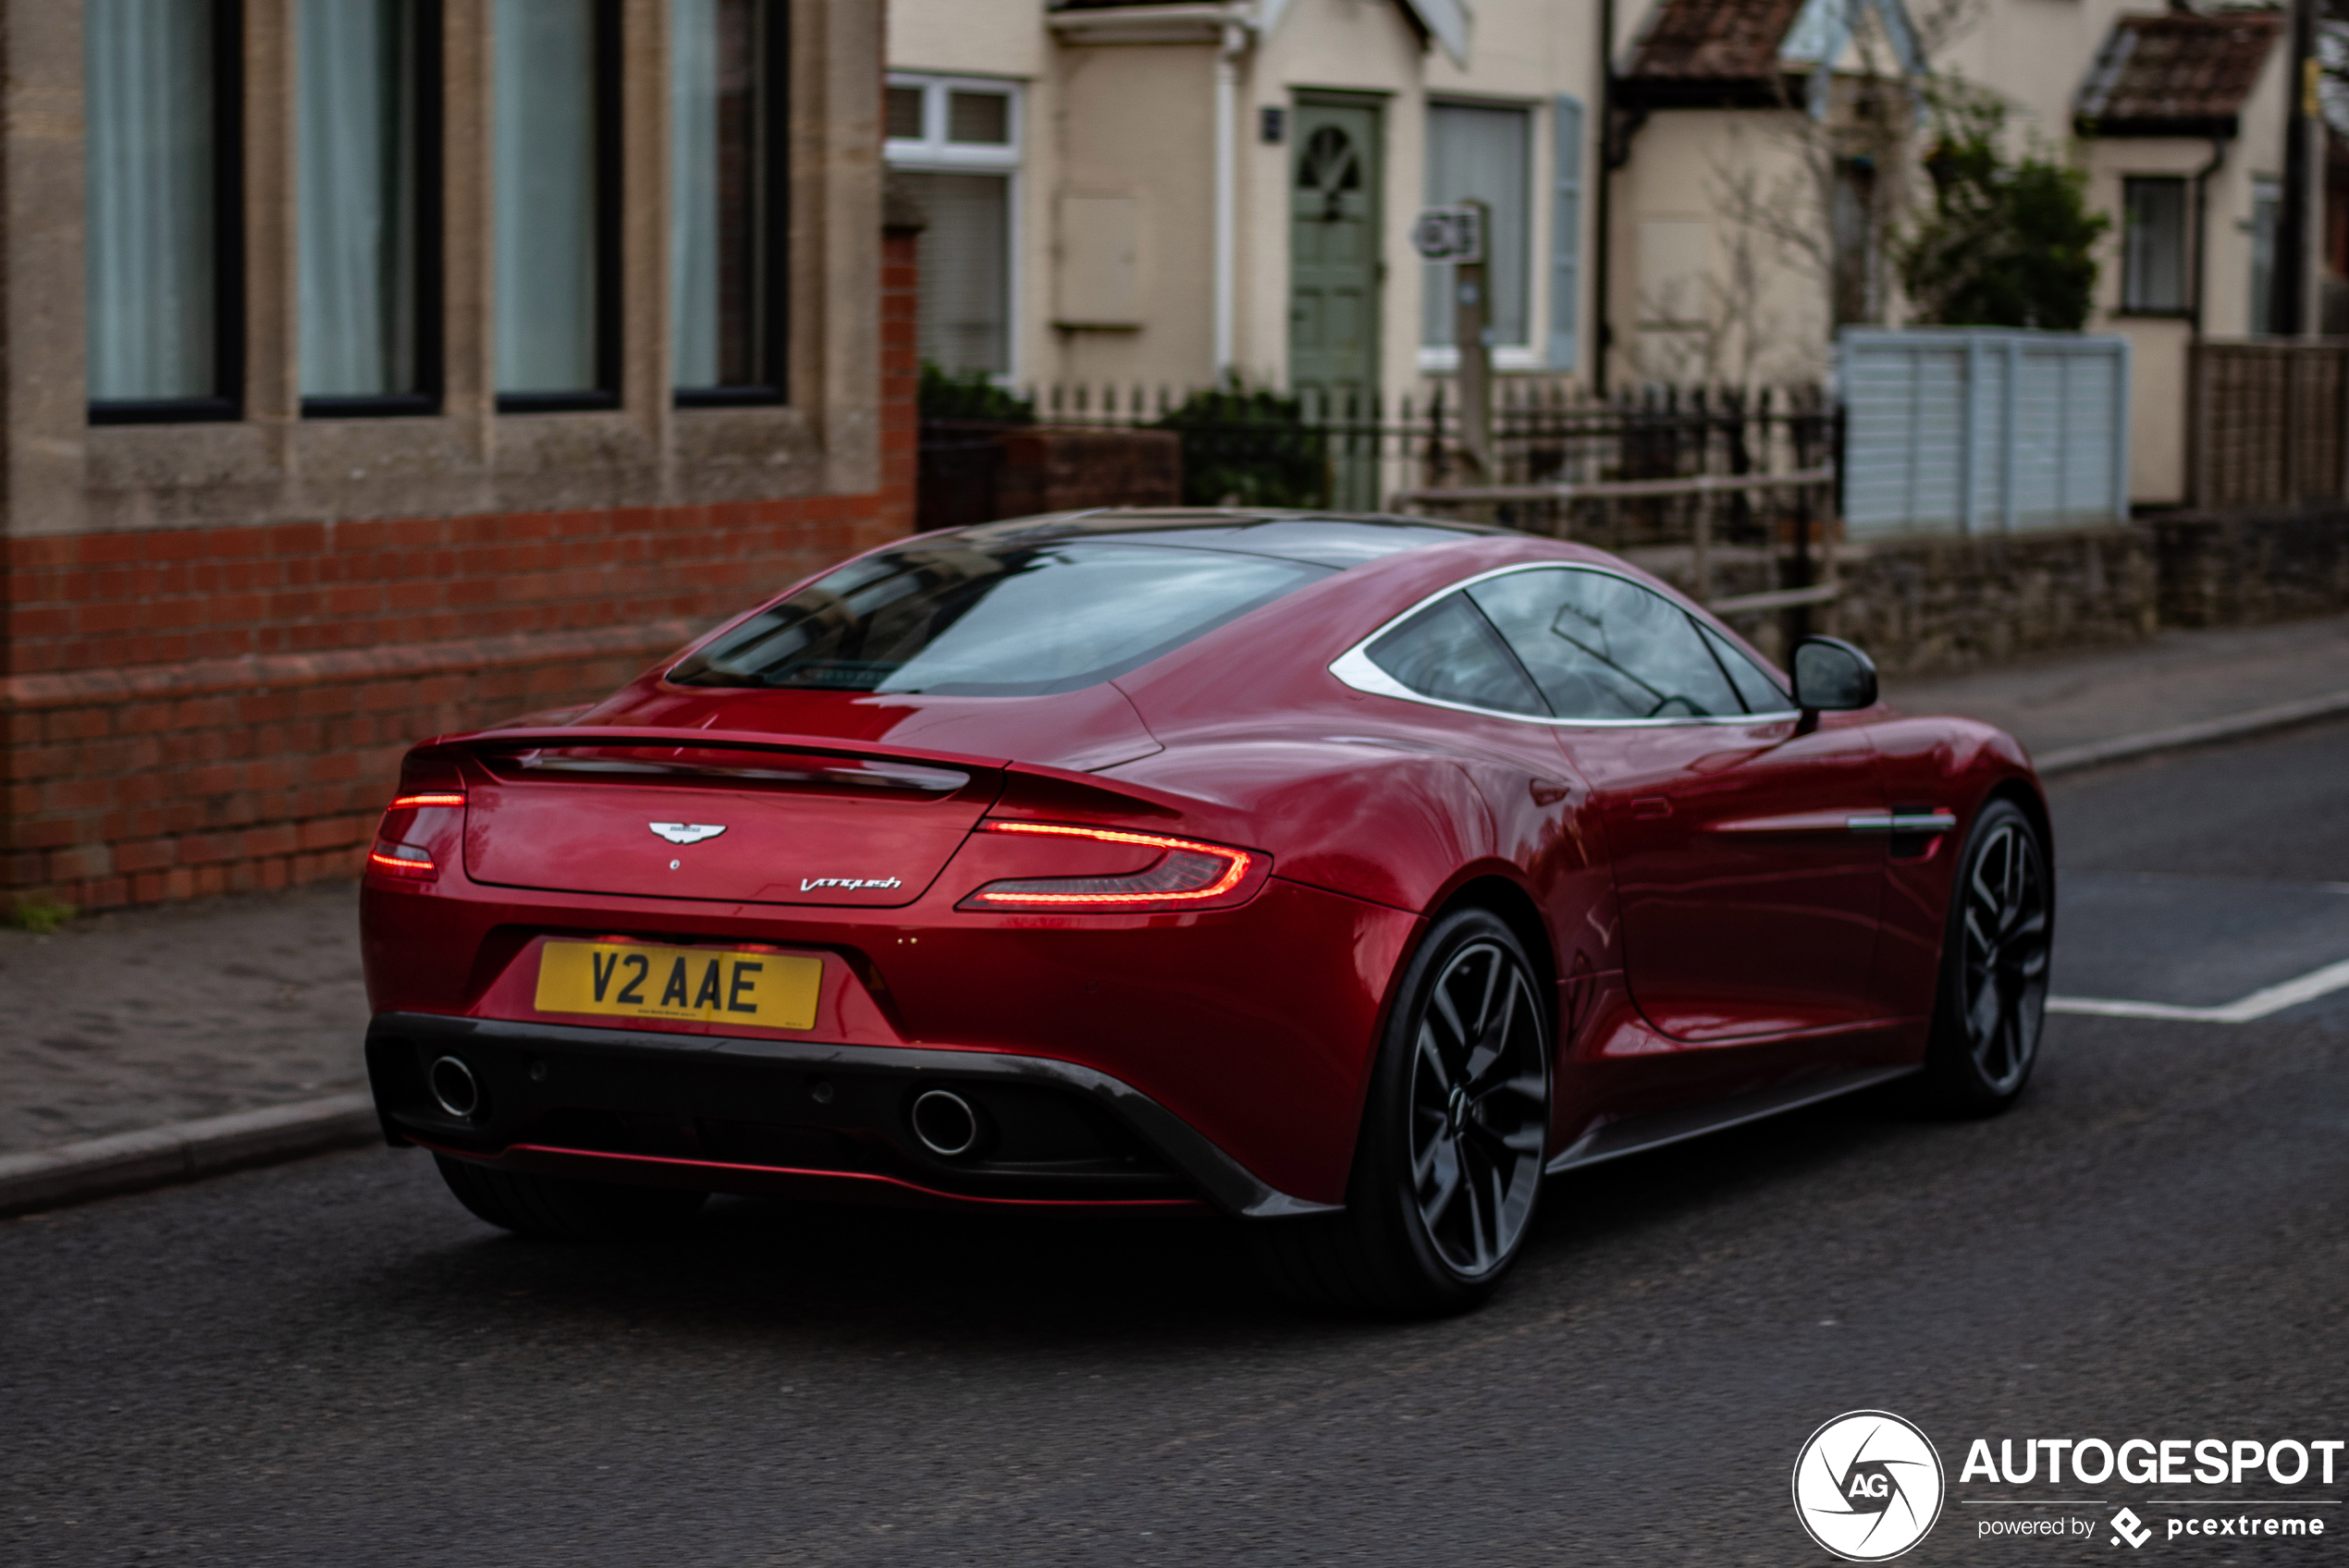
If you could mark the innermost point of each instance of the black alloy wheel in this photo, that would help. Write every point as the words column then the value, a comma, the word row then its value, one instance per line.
column 1479, row 1105
column 1447, row 1169
column 1993, row 997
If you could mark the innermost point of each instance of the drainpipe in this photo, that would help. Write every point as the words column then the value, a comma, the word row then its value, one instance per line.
column 1602, row 239
column 2202, row 227
column 1227, row 93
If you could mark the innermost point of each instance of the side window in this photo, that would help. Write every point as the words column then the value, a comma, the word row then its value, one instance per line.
column 1449, row 652
column 1601, row 647
column 1761, row 690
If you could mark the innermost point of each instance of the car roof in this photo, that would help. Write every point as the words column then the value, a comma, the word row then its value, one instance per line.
column 1318, row 538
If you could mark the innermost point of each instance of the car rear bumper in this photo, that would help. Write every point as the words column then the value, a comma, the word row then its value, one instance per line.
column 762, row 1116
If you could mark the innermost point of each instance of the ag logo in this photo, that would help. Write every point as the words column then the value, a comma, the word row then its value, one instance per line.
column 1868, row 1486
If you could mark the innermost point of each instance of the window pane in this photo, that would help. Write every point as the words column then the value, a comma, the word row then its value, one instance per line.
column 356, row 144
column 977, row 618
column 2155, row 252
column 546, row 196
column 984, row 118
column 148, row 68
column 1756, row 687
column 965, row 270
column 718, row 181
column 1600, row 647
column 1448, row 652
column 1474, row 153
column 906, row 114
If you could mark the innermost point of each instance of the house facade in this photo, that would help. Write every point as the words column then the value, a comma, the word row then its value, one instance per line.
column 1163, row 194
column 381, row 367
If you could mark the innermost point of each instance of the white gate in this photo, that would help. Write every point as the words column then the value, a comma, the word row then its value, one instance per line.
column 1976, row 430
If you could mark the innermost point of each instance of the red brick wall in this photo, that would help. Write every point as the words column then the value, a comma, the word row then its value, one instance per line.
column 194, row 711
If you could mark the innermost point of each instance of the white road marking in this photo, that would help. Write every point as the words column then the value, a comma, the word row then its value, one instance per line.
column 2257, row 1005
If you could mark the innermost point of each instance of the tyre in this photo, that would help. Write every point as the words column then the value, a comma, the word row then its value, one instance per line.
column 1447, row 1167
column 1992, row 1000
column 557, row 1208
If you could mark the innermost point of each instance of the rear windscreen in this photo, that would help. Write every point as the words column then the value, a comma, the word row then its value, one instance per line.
column 967, row 618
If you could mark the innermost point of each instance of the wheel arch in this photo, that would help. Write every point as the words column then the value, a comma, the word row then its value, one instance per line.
column 1516, row 909
column 2027, row 797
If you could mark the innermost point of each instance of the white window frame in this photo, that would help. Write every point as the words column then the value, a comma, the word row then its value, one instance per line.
column 1533, row 354
column 932, row 153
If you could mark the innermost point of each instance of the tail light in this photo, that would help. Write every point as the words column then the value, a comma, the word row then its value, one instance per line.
column 425, row 823
column 1178, row 873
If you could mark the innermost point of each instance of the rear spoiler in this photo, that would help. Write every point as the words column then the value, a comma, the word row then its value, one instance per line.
column 1047, row 787
column 710, row 740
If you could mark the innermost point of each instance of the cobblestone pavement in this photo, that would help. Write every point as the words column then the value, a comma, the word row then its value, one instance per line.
column 136, row 1018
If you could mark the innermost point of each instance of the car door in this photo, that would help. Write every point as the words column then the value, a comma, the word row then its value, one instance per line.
column 1748, row 902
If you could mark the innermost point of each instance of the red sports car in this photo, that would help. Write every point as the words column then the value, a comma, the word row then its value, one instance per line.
column 1342, row 874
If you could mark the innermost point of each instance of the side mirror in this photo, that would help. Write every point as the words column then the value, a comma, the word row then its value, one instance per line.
column 1831, row 676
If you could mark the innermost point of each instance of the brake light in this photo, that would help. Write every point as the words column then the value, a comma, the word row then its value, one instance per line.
column 1186, row 871
column 424, row 822
column 402, row 859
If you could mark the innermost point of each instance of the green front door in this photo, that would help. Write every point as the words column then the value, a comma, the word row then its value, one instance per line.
column 1334, row 286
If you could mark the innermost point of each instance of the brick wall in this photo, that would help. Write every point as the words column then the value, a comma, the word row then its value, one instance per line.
column 194, row 711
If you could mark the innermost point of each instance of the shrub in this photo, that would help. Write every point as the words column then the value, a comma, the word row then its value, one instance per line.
column 1248, row 449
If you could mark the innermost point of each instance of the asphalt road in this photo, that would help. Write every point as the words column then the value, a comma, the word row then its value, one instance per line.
column 330, row 1363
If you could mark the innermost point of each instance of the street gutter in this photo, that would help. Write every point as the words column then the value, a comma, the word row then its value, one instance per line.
column 184, row 1151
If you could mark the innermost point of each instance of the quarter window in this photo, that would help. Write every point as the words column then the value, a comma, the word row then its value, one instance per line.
column 1602, row 647
column 1450, row 651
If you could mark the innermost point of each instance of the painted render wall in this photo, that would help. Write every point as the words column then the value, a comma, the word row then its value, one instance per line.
column 1668, row 208
column 1135, row 119
column 2157, row 439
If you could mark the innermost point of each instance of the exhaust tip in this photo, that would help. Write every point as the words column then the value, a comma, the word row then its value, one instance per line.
column 945, row 1123
column 452, row 1083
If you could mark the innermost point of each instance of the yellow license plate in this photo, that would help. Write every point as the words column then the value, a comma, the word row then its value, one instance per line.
column 703, row 985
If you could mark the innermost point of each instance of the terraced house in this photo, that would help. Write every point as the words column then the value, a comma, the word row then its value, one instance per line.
column 1680, row 191
column 375, row 367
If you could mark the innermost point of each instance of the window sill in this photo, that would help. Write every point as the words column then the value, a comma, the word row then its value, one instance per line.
column 406, row 405
column 166, row 410
column 729, row 398
column 557, row 402
column 1505, row 356
column 2126, row 313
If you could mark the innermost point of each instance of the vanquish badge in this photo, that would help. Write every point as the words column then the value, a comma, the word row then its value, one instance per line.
column 1868, row 1486
column 687, row 832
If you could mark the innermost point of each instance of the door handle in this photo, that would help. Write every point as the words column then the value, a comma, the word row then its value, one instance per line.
column 1653, row 808
column 1901, row 822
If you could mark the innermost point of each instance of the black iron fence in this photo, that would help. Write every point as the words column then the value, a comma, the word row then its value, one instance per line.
column 1356, row 450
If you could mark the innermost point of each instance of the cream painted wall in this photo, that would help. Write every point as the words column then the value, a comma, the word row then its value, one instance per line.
column 1668, row 214
column 1136, row 119
column 2158, row 379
